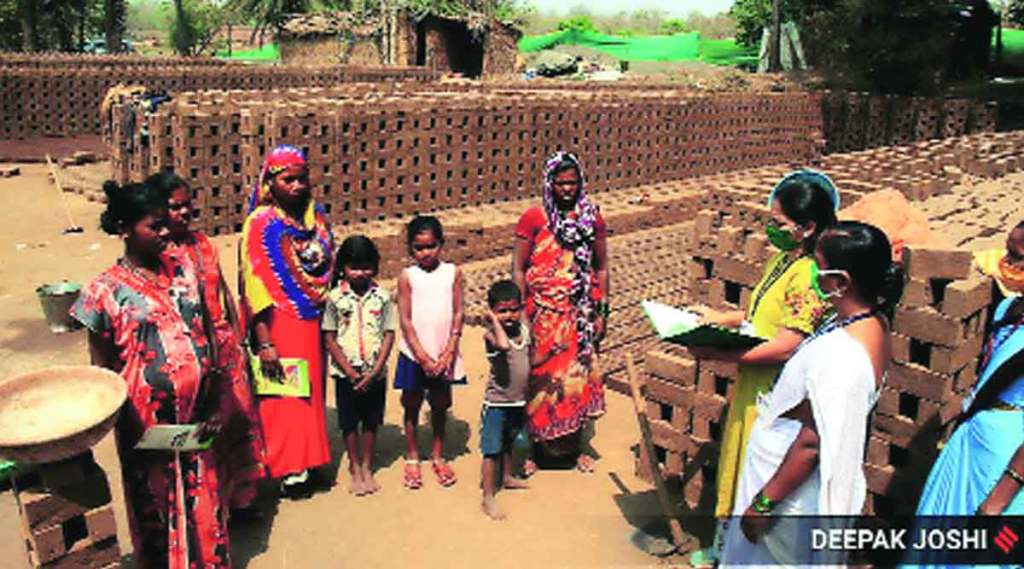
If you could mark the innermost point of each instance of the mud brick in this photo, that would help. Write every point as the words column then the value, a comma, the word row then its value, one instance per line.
column 935, row 263
column 709, row 405
column 730, row 240
column 667, row 437
column 667, row 393
column 42, row 508
column 51, row 543
column 916, row 293
column 952, row 360
column 965, row 379
column 755, row 249
column 84, row 555
column 966, row 297
column 707, row 220
column 929, row 325
column 670, row 368
column 720, row 368
column 879, row 478
column 746, row 273
column 919, row 381
column 898, row 429
column 898, row 403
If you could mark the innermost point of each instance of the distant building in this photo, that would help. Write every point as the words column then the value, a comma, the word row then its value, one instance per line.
column 472, row 46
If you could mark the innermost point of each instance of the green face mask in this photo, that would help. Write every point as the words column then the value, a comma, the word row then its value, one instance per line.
column 781, row 239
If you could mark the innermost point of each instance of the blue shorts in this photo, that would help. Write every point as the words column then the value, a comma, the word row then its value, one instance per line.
column 499, row 427
column 409, row 376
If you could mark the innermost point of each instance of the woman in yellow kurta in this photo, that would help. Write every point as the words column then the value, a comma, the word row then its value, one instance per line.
column 784, row 309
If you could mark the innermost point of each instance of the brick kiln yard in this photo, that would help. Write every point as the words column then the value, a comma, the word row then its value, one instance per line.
column 566, row 519
column 681, row 178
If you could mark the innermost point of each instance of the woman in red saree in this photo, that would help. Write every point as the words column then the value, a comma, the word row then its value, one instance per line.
column 145, row 321
column 285, row 273
column 561, row 265
column 240, row 444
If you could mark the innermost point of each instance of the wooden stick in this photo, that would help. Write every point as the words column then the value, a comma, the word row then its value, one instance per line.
column 60, row 192
column 646, row 439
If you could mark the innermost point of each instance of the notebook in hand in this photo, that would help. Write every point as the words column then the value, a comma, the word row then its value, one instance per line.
column 684, row 328
column 294, row 384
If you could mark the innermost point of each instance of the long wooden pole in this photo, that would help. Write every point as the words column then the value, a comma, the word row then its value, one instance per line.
column 646, row 439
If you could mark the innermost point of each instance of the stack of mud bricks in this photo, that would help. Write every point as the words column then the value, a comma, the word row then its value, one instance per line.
column 61, row 96
column 859, row 121
column 938, row 332
column 67, row 519
column 391, row 155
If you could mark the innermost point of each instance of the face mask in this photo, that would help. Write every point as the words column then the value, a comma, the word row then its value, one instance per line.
column 816, row 283
column 782, row 240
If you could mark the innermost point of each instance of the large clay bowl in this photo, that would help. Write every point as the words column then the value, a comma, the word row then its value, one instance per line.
column 58, row 412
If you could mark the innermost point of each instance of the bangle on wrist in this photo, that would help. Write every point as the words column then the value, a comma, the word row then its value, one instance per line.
column 762, row 504
column 1014, row 475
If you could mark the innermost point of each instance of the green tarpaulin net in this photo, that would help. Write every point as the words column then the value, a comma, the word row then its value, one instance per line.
column 679, row 47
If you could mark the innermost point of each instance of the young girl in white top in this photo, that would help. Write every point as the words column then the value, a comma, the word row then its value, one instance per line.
column 430, row 315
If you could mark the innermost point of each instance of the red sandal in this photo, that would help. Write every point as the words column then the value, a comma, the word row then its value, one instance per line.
column 412, row 477
column 443, row 471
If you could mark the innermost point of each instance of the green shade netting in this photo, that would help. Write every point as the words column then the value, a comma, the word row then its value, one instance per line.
column 727, row 52
column 268, row 52
column 680, row 47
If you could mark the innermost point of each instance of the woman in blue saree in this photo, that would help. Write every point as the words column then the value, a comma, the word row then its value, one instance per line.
column 981, row 469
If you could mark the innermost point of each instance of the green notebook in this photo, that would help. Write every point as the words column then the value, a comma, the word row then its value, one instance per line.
column 295, row 383
column 684, row 328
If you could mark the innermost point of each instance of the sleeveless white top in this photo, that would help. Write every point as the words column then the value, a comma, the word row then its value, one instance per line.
column 431, row 294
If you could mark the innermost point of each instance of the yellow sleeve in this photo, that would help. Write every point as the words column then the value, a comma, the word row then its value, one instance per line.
column 803, row 309
column 256, row 294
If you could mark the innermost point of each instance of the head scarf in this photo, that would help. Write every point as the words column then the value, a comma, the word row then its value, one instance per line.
column 280, row 159
column 287, row 264
column 812, row 176
column 575, row 231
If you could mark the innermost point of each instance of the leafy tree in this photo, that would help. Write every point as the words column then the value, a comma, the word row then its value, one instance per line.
column 577, row 23
column 195, row 26
column 672, row 27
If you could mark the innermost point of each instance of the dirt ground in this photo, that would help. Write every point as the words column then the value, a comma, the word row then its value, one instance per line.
column 566, row 519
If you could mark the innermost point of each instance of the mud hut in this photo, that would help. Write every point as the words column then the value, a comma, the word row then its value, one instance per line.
column 471, row 45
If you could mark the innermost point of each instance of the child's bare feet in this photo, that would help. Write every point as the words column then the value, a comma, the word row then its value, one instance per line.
column 490, row 507
column 513, row 483
column 357, row 485
column 369, row 482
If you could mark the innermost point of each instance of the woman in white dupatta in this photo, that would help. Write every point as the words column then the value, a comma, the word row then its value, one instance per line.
column 806, row 448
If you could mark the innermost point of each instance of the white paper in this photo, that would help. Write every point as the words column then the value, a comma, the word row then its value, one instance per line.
column 669, row 321
column 172, row 437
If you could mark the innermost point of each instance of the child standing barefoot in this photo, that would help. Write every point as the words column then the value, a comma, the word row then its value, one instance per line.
column 430, row 314
column 507, row 343
column 359, row 332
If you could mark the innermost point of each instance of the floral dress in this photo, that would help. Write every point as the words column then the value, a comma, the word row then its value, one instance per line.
column 239, row 446
column 564, row 391
column 155, row 325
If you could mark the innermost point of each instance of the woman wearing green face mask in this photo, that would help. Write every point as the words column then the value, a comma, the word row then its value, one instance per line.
column 784, row 309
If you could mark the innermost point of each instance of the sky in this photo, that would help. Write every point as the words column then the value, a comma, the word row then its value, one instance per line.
column 672, row 7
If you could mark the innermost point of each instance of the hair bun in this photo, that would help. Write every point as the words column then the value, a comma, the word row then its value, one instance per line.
column 110, row 188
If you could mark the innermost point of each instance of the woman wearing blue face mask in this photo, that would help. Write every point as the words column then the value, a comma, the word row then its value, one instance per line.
column 784, row 309
column 807, row 446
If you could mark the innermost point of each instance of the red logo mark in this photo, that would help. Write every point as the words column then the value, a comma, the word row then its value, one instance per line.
column 1006, row 539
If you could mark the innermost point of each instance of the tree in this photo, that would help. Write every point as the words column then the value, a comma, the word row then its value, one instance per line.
column 578, row 24
column 267, row 14
column 114, row 23
column 195, row 25
column 672, row 27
